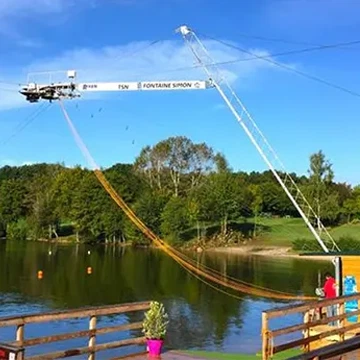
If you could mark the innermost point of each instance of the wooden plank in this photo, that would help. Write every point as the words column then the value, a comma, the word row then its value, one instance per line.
column 299, row 327
column 342, row 321
column 330, row 351
column 20, row 334
column 302, row 342
column 302, row 307
column 71, row 314
column 87, row 350
column 307, row 331
column 143, row 354
column 79, row 334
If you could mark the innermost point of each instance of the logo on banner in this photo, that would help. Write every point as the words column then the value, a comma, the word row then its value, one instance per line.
column 89, row 86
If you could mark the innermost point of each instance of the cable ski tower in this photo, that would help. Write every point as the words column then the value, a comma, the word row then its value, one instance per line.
column 70, row 89
column 256, row 137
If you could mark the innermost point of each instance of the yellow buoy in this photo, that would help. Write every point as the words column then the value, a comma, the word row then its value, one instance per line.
column 89, row 270
column 40, row 274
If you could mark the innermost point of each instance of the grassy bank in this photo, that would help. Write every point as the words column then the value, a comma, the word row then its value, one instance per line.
column 283, row 231
column 262, row 233
column 223, row 356
column 270, row 232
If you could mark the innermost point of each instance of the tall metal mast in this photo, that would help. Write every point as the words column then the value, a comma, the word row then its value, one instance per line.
column 256, row 136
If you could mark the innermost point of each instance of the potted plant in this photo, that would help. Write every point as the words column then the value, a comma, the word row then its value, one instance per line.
column 154, row 327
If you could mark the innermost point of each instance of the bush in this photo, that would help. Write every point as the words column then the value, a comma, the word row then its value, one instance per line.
column 345, row 243
column 155, row 322
column 17, row 230
column 348, row 243
column 302, row 244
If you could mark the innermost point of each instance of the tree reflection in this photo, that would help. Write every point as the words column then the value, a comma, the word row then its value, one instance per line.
column 200, row 315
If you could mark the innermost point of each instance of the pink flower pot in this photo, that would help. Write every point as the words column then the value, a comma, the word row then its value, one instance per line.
column 154, row 347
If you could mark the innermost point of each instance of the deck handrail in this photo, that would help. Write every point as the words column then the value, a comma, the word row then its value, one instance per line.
column 268, row 335
column 21, row 343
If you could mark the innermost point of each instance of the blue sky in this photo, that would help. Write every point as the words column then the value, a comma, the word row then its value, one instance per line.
column 98, row 37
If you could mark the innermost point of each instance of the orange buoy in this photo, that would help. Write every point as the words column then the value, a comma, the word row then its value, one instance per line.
column 89, row 270
column 40, row 274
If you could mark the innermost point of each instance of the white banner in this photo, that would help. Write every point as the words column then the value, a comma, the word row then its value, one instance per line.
column 145, row 85
column 110, row 86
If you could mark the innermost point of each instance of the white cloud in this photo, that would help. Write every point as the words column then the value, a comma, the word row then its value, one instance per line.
column 137, row 61
column 8, row 162
column 16, row 15
column 27, row 163
column 11, row 162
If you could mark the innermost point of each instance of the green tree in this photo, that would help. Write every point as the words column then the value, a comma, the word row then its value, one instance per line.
column 320, row 193
column 65, row 185
column 87, row 208
column 224, row 197
column 13, row 205
column 43, row 218
column 257, row 203
column 275, row 200
column 176, row 164
column 351, row 207
column 175, row 219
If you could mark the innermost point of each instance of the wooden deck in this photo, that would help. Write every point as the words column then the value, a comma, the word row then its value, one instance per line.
column 355, row 355
column 332, row 339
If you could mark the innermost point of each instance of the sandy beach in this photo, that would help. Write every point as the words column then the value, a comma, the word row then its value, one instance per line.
column 267, row 251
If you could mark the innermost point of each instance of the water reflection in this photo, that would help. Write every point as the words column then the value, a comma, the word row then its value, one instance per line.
column 201, row 316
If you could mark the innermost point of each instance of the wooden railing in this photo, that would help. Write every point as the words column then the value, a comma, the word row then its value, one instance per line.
column 313, row 329
column 21, row 343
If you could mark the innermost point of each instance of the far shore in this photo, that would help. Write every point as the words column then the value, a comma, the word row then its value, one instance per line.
column 272, row 251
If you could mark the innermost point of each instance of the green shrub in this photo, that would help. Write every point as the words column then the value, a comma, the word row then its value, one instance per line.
column 310, row 245
column 348, row 243
column 17, row 230
column 345, row 243
column 155, row 322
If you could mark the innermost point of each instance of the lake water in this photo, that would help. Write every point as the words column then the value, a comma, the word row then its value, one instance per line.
column 201, row 317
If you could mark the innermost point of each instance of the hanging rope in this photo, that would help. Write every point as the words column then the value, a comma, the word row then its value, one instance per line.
column 201, row 272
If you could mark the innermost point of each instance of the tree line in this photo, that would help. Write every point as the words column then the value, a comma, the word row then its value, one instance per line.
column 177, row 187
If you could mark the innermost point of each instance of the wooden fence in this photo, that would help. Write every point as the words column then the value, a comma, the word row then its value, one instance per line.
column 16, row 350
column 314, row 332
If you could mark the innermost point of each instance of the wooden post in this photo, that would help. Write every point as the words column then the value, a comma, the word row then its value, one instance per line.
column 265, row 336
column 307, row 330
column 92, row 338
column 342, row 321
column 20, row 340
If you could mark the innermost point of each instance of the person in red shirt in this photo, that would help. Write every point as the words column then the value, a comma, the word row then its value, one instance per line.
column 329, row 287
column 330, row 293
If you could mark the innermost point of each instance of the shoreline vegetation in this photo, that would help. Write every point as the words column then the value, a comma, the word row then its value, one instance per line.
column 184, row 192
column 246, row 250
column 275, row 237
